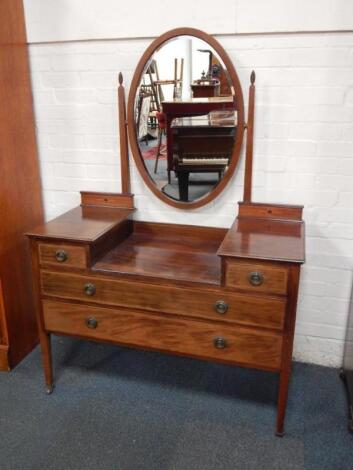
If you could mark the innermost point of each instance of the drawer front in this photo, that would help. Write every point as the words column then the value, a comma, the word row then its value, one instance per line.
column 205, row 340
column 62, row 255
column 244, row 309
column 257, row 277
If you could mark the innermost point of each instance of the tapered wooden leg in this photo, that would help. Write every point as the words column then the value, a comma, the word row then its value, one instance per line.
column 45, row 345
column 282, row 401
column 287, row 348
column 44, row 337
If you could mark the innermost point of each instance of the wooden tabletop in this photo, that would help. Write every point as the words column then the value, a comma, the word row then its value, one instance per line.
column 278, row 240
column 86, row 224
column 168, row 251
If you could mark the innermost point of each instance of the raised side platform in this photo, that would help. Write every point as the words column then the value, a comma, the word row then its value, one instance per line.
column 83, row 224
column 266, row 231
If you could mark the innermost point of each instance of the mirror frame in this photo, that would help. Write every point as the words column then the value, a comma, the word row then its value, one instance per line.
column 156, row 44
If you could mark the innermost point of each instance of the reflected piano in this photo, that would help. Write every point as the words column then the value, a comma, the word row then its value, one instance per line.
column 202, row 144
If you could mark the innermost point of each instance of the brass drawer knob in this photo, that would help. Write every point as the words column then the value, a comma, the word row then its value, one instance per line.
column 220, row 343
column 221, row 307
column 89, row 289
column 91, row 323
column 256, row 278
column 61, row 256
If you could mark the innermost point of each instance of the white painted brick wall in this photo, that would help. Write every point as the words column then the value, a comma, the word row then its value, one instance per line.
column 303, row 151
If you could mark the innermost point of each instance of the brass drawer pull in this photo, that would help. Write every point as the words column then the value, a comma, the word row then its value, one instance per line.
column 256, row 278
column 220, row 343
column 61, row 256
column 90, row 289
column 91, row 323
column 221, row 307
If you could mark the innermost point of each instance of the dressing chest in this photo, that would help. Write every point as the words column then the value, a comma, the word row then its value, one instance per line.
column 224, row 295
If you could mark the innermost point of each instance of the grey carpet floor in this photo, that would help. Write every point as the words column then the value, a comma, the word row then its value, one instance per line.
column 121, row 409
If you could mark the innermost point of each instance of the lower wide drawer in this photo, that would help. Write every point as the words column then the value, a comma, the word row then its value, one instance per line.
column 192, row 302
column 200, row 339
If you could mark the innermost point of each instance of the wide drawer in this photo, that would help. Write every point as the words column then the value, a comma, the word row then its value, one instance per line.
column 216, row 305
column 62, row 255
column 205, row 340
column 256, row 277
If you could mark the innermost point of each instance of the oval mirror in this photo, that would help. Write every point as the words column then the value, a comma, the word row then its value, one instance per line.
column 185, row 118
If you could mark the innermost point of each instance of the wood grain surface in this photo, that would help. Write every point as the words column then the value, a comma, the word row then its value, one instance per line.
column 275, row 277
column 242, row 308
column 270, row 211
column 178, row 336
column 167, row 251
column 265, row 239
column 20, row 189
column 119, row 201
column 76, row 255
column 87, row 224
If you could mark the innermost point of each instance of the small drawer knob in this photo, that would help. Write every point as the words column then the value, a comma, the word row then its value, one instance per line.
column 221, row 307
column 256, row 278
column 219, row 343
column 89, row 289
column 92, row 323
column 61, row 256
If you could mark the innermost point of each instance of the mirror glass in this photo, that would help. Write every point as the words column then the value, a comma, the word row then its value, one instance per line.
column 185, row 114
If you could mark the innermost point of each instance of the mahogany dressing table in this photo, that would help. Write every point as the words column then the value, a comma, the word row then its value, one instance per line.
column 223, row 295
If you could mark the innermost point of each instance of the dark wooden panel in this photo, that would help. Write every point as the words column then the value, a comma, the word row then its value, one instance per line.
column 76, row 255
column 246, row 309
column 204, row 237
column 110, row 240
column 20, row 191
column 181, row 336
column 274, row 277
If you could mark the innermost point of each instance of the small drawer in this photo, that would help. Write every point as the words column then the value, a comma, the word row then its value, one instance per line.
column 218, row 305
column 201, row 339
column 256, row 277
column 62, row 255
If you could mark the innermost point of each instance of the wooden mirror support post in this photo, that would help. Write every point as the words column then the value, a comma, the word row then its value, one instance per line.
column 123, row 200
column 211, row 293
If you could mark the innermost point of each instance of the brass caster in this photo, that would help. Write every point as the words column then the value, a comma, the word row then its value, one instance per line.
column 49, row 390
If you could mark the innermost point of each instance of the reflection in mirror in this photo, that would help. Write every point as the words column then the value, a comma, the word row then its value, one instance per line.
column 186, row 118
